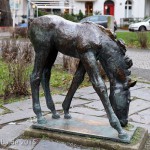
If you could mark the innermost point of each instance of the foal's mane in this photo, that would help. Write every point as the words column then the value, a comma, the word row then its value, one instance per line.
column 112, row 35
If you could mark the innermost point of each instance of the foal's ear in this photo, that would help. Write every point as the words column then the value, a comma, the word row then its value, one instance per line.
column 132, row 83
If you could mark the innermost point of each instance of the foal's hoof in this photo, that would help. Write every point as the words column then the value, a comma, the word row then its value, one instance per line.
column 67, row 116
column 123, row 136
column 55, row 116
column 41, row 120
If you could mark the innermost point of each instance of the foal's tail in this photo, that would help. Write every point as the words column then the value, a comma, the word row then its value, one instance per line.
column 29, row 24
column 30, row 21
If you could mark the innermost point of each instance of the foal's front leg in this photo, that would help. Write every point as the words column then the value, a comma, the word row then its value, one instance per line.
column 89, row 61
column 77, row 80
column 45, row 83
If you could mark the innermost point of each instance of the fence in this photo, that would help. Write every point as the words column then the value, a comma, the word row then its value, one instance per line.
column 125, row 22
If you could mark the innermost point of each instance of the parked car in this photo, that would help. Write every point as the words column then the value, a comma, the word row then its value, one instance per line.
column 99, row 19
column 140, row 26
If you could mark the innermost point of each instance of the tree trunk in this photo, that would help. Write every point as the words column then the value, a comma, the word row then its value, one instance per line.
column 70, row 64
column 6, row 19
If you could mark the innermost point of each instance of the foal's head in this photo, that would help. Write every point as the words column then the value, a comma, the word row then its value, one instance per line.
column 120, row 101
column 120, row 84
column 116, row 65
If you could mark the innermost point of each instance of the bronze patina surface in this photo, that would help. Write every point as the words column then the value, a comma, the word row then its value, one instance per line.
column 90, row 43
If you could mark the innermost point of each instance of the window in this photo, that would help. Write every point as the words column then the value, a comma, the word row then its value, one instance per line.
column 128, row 9
column 89, row 8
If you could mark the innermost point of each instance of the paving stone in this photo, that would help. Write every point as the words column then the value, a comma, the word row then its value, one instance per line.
column 23, row 144
column 142, row 125
column 87, row 111
column 58, row 98
column 57, row 107
column 143, row 93
column 75, row 102
column 1, row 111
column 89, row 89
column 28, row 122
column 98, row 105
column 19, row 115
column 86, row 90
column 138, row 105
column 76, row 95
column 50, row 145
column 10, row 132
column 26, row 105
column 140, row 118
column 90, row 96
column 19, row 106
column 139, row 86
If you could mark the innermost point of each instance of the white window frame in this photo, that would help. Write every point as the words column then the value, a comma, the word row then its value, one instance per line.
column 127, row 10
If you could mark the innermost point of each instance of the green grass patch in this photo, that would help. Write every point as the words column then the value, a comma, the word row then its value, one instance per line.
column 131, row 38
column 60, row 82
column 3, row 76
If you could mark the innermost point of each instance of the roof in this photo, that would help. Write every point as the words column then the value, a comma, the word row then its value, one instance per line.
column 52, row 4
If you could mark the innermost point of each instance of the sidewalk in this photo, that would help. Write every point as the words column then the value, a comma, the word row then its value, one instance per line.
column 19, row 115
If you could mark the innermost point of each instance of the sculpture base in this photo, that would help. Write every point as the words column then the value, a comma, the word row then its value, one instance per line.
column 91, row 133
column 85, row 128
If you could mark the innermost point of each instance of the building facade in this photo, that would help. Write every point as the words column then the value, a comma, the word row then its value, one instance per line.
column 118, row 8
column 19, row 10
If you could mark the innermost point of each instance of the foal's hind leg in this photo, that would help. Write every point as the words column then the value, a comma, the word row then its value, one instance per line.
column 35, row 80
column 90, row 64
column 45, row 83
column 77, row 80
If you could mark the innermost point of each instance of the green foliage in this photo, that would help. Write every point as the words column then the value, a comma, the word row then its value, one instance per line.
column 131, row 39
column 40, row 13
column 60, row 78
column 97, row 12
column 70, row 17
column 73, row 17
column 3, row 76
column 80, row 15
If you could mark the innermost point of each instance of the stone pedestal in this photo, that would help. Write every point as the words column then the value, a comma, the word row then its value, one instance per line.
column 89, row 133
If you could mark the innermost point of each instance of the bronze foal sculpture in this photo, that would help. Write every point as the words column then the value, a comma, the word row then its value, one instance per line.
column 90, row 43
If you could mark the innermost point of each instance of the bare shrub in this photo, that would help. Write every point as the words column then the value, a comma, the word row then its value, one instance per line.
column 143, row 39
column 20, row 32
column 70, row 64
column 18, row 56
